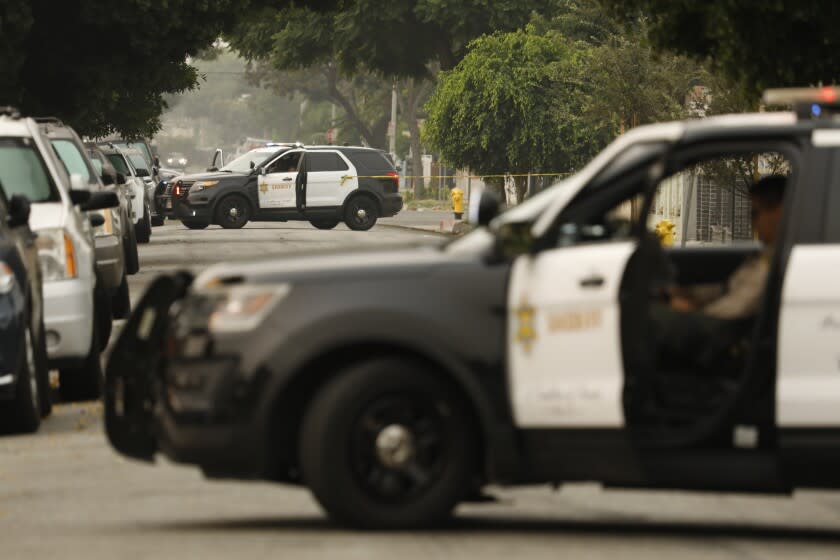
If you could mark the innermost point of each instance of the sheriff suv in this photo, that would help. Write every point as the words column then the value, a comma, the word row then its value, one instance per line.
column 324, row 185
column 396, row 383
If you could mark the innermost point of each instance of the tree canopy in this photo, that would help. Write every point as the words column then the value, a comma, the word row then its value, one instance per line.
column 756, row 43
column 104, row 66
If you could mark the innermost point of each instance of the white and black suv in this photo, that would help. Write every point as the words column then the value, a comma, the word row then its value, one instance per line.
column 325, row 185
column 395, row 383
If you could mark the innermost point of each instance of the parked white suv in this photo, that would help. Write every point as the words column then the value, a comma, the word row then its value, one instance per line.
column 76, row 305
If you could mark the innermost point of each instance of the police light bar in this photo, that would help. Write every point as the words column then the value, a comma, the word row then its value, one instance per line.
column 807, row 102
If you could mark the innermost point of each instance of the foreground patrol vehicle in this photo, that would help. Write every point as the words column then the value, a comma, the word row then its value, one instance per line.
column 324, row 185
column 396, row 383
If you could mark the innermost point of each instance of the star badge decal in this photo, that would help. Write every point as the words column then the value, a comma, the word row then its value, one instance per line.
column 526, row 332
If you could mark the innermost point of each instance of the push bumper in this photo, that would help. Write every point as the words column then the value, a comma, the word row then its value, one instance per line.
column 68, row 318
column 186, row 210
column 109, row 261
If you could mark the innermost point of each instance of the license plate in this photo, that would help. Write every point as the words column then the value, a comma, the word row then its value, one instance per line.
column 169, row 204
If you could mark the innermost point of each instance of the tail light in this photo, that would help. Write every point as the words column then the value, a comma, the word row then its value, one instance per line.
column 396, row 177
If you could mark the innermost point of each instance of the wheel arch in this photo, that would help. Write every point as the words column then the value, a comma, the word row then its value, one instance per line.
column 363, row 193
column 288, row 399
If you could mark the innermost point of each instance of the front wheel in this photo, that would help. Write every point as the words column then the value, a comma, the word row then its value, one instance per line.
column 324, row 224
column 121, row 301
column 83, row 382
column 387, row 444
column 233, row 212
column 132, row 257
column 361, row 213
column 194, row 225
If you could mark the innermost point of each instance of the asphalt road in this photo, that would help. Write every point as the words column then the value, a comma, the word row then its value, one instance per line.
column 65, row 494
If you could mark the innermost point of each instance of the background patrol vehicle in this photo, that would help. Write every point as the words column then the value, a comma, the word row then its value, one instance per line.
column 325, row 185
column 394, row 383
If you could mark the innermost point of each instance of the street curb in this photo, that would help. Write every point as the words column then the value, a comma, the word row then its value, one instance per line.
column 419, row 228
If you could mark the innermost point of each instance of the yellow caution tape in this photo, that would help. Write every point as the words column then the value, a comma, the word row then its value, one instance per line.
column 492, row 176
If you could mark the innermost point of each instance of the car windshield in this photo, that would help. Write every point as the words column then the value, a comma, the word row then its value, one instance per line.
column 73, row 159
column 242, row 164
column 22, row 171
column 144, row 150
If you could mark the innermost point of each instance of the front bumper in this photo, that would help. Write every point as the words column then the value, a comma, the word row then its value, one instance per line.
column 110, row 261
column 68, row 318
column 184, row 209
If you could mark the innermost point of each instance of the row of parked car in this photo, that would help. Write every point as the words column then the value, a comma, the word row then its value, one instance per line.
column 71, row 215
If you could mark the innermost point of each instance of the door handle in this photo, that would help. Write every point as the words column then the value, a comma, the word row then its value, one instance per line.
column 593, row 281
column 286, row 179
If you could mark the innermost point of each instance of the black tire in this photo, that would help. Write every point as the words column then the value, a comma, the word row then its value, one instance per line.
column 121, row 301
column 325, row 224
column 361, row 213
column 132, row 257
column 143, row 228
column 157, row 221
column 233, row 212
column 195, row 225
column 83, row 382
column 24, row 413
column 102, row 313
column 338, row 446
column 43, row 370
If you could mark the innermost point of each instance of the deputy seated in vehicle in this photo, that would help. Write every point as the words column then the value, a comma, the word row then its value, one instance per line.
column 700, row 323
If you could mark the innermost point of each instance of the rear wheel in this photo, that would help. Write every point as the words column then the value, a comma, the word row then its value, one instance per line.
column 387, row 444
column 233, row 212
column 157, row 221
column 24, row 415
column 102, row 312
column 324, row 224
column 121, row 301
column 361, row 213
column 194, row 225
column 42, row 369
column 143, row 228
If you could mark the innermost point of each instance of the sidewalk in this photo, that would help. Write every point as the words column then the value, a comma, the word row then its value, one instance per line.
column 435, row 221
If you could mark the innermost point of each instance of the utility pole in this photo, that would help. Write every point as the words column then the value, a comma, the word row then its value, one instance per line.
column 392, row 129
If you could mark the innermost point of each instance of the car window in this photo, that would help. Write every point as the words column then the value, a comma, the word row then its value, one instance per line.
column 325, row 161
column 242, row 164
column 73, row 159
column 97, row 163
column 22, row 171
column 146, row 156
column 372, row 162
column 287, row 163
column 138, row 161
column 119, row 163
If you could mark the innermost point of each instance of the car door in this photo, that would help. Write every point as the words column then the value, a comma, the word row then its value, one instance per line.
column 276, row 186
column 329, row 178
column 564, row 338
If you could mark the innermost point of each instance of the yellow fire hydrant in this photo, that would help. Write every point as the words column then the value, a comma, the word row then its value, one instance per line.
column 665, row 231
column 457, row 202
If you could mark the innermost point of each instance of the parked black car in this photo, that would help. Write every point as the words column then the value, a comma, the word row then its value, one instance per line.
column 24, row 374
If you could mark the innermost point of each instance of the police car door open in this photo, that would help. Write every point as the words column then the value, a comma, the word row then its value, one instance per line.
column 276, row 188
column 564, row 337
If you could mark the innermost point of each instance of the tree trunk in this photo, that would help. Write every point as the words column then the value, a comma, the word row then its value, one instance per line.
column 417, row 90
column 521, row 184
column 350, row 111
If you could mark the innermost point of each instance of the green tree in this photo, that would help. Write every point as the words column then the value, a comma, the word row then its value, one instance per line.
column 104, row 66
column 754, row 43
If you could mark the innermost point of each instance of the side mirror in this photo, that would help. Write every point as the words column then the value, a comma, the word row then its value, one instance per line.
column 262, row 170
column 79, row 196
column 157, row 162
column 211, row 169
column 486, row 209
column 252, row 165
column 108, row 179
column 96, row 220
column 120, row 178
column 19, row 209
column 101, row 200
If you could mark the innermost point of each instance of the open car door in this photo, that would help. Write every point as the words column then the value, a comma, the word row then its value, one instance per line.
column 300, row 184
column 131, row 382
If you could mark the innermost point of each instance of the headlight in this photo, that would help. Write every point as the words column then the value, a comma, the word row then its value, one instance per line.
column 182, row 161
column 201, row 185
column 243, row 308
column 7, row 278
column 108, row 227
column 56, row 254
column 169, row 160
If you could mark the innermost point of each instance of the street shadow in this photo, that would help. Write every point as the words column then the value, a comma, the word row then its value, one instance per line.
column 475, row 526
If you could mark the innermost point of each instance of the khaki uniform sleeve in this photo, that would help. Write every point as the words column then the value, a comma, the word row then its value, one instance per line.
column 743, row 296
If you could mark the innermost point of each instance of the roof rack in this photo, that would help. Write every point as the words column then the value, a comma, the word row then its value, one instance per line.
column 808, row 103
column 9, row 111
column 43, row 120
